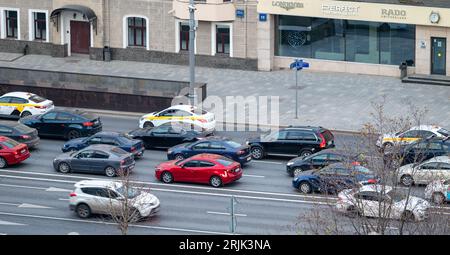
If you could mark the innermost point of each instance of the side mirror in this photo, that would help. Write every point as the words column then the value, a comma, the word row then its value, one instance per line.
column 120, row 198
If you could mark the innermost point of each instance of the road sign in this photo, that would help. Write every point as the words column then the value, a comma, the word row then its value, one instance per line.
column 298, row 65
column 262, row 17
column 240, row 13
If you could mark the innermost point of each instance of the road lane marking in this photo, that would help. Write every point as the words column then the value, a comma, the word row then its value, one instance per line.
column 25, row 205
column 20, row 186
column 112, row 223
column 64, row 199
column 228, row 214
column 10, row 223
column 251, row 175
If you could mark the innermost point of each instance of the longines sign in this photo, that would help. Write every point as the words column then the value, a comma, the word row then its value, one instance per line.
column 287, row 5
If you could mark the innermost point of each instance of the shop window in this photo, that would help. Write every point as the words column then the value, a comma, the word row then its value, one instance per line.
column 11, row 24
column 137, row 32
column 222, row 39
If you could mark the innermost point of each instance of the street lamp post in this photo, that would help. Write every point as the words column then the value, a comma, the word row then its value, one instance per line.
column 191, row 52
column 298, row 65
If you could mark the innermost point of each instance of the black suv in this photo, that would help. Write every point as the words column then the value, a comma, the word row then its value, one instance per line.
column 292, row 141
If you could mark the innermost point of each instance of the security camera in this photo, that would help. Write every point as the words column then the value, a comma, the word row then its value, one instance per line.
column 191, row 7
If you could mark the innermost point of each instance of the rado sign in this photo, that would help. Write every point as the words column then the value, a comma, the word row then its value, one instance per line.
column 287, row 5
column 393, row 14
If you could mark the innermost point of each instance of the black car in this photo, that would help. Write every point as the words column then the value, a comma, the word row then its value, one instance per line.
column 321, row 159
column 292, row 141
column 20, row 133
column 419, row 151
column 68, row 124
column 168, row 135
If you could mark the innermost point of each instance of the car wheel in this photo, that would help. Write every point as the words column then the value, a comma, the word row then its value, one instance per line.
column 25, row 114
column 148, row 124
column 110, row 171
column 83, row 211
column 408, row 216
column 305, row 187
column 438, row 198
column 305, row 153
column 407, row 180
column 15, row 113
column 3, row 163
column 179, row 156
column 72, row 134
column 257, row 152
column 166, row 177
column 215, row 181
column 64, row 168
column 388, row 146
column 297, row 171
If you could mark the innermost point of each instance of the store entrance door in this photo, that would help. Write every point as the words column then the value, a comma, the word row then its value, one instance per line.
column 438, row 55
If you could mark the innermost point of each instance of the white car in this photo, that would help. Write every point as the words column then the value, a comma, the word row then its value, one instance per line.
column 438, row 191
column 413, row 134
column 108, row 197
column 436, row 168
column 367, row 201
column 22, row 104
column 180, row 113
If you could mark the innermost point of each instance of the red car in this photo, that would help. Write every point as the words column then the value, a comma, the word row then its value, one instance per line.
column 214, row 169
column 12, row 152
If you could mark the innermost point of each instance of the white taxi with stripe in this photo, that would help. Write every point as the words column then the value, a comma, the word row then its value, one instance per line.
column 22, row 104
column 180, row 113
column 411, row 135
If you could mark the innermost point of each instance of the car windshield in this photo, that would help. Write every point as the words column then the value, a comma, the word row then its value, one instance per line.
column 444, row 132
column 225, row 161
column 10, row 143
column 128, row 192
column 396, row 195
column 37, row 99
column 233, row 144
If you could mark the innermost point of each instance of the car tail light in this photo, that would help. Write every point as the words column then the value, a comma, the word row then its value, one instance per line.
column 202, row 120
column 25, row 136
column 356, row 163
column 323, row 143
column 240, row 152
column 122, row 162
column 73, row 194
column 40, row 106
column 88, row 124
column 372, row 181
column 133, row 148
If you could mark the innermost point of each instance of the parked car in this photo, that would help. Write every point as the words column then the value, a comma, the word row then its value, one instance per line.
column 299, row 141
column 12, row 152
column 413, row 134
column 169, row 134
column 182, row 113
column 334, row 178
column 419, row 151
column 321, row 159
column 68, row 124
column 438, row 191
column 215, row 145
column 122, row 141
column 95, row 159
column 21, row 104
column 436, row 168
column 367, row 201
column 108, row 197
column 205, row 168
column 20, row 133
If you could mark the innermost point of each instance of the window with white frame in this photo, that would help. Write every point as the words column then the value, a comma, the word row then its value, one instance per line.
column 11, row 24
column 39, row 26
column 222, row 39
column 137, row 31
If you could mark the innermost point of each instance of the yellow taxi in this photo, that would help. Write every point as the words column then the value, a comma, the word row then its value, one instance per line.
column 411, row 135
column 22, row 104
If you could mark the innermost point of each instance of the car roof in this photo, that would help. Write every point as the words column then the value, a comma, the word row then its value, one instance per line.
column 3, row 138
column 73, row 111
column 97, row 183
column 443, row 159
column 206, row 156
column 184, row 107
column 108, row 133
column 374, row 188
column 105, row 147
column 307, row 128
column 433, row 128
column 215, row 138
column 25, row 95
column 336, row 151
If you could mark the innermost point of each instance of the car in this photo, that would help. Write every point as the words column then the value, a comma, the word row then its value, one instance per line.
column 110, row 198
column 169, row 134
column 21, row 104
column 126, row 143
column 295, row 141
column 215, row 145
column 438, row 191
column 367, row 201
column 95, row 159
column 387, row 141
column 418, row 151
column 12, row 152
column 321, row 159
column 333, row 178
column 436, row 168
column 20, row 133
column 212, row 169
column 67, row 124
column 182, row 113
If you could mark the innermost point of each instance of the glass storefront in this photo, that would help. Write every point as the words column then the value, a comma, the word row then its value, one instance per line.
column 345, row 40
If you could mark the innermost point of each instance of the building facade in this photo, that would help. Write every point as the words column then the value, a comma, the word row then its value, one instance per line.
column 365, row 36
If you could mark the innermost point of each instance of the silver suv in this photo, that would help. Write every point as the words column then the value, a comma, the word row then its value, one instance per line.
column 109, row 197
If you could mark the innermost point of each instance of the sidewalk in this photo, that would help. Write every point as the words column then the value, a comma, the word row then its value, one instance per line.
column 337, row 101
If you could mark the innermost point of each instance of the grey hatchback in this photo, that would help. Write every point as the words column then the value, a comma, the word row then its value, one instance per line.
column 95, row 159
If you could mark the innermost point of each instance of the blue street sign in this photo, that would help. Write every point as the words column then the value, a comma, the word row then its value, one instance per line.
column 262, row 17
column 240, row 13
column 299, row 64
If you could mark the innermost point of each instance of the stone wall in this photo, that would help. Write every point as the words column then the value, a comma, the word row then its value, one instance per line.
column 39, row 48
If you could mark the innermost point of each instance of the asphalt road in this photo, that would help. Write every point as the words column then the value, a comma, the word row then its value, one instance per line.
column 34, row 197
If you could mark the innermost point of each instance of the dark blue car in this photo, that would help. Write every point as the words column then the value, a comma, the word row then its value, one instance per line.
column 132, row 146
column 334, row 178
column 215, row 145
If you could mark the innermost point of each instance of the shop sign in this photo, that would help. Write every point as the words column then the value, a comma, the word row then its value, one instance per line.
column 393, row 13
column 287, row 5
column 342, row 10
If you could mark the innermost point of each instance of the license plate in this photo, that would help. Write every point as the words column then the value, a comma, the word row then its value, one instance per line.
column 330, row 142
column 237, row 170
column 23, row 151
column 249, row 158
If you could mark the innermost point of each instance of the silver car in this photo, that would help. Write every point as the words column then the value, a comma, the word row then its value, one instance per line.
column 99, row 159
column 109, row 197
column 436, row 168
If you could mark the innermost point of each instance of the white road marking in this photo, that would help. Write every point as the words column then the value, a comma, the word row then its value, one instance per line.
column 20, row 186
column 1, row 203
column 251, row 175
column 25, row 205
column 9, row 223
column 63, row 199
column 267, row 162
column 3, row 234
column 73, row 233
column 112, row 223
column 228, row 214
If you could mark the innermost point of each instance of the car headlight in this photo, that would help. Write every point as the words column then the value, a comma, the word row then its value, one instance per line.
column 290, row 163
column 247, row 142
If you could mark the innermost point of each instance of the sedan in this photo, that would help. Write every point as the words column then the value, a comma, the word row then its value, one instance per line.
column 438, row 191
column 21, row 104
column 169, row 134
column 333, row 178
column 367, row 201
column 68, row 124
column 203, row 168
column 99, row 159
column 132, row 146
column 20, row 133
column 12, row 152
column 214, row 145
column 436, row 168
